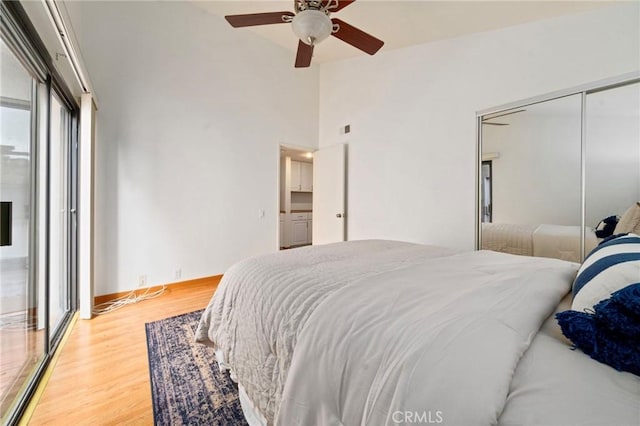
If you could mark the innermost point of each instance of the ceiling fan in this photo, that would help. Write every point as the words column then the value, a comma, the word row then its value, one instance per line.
column 312, row 23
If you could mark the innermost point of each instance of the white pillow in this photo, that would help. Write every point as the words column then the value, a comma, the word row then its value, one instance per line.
column 630, row 221
column 611, row 266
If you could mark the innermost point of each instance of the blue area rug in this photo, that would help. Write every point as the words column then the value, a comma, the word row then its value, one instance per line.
column 187, row 388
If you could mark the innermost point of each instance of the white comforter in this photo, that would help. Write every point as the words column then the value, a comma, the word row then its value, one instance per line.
column 371, row 332
column 263, row 303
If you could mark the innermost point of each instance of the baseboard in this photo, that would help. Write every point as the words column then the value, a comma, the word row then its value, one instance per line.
column 212, row 280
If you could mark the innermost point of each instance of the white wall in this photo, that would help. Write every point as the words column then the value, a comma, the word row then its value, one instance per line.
column 191, row 115
column 412, row 114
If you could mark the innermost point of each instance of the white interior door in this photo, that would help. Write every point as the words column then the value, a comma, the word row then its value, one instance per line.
column 329, row 170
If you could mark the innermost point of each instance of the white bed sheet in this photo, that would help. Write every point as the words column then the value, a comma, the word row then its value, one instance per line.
column 556, row 386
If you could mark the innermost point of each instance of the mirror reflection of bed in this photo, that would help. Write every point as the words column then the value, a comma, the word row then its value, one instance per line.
column 533, row 200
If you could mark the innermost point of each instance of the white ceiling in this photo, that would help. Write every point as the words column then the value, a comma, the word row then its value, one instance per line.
column 404, row 23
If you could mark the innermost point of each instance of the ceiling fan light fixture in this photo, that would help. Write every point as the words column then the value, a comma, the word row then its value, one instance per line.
column 311, row 26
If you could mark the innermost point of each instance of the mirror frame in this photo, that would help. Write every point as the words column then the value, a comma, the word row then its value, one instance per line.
column 583, row 91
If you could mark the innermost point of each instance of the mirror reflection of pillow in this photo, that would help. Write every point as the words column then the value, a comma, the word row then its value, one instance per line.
column 611, row 334
column 630, row 220
column 611, row 266
column 607, row 226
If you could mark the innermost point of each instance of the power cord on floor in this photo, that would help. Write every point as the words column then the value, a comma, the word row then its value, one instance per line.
column 129, row 299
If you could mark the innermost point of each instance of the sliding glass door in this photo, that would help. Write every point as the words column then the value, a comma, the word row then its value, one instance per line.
column 59, row 214
column 37, row 232
column 22, row 341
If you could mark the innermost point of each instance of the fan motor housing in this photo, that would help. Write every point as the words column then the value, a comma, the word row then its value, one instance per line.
column 311, row 26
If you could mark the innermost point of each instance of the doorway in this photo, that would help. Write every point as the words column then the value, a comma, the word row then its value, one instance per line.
column 296, row 197
column 487, row 191
column 312, row 195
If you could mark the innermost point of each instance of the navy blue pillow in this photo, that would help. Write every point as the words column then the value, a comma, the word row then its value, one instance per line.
column 611, row 334
column 628, row 299
column 613, row 318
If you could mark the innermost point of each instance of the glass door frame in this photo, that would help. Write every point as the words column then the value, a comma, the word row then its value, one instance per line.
column 71, row 257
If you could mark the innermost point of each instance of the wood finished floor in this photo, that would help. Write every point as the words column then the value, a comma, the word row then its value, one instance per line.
column 102, row 375
column 21, row 349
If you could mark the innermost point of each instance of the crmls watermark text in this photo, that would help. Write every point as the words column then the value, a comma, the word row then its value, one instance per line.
column 417, row 417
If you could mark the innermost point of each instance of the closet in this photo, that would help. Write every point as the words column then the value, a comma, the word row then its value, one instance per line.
column 560, row 164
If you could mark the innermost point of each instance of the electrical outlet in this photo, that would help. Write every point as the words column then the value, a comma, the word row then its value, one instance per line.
column 142, row 281
column 178, row 274
column 261, row 214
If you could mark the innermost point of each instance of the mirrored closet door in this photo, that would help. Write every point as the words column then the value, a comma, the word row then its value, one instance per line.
column 553, row 171
column 612, row 156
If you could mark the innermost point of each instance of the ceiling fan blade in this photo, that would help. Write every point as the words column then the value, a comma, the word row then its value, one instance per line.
column 502, row 114
column 303, row 57
column 341, row 5
column 252, row 19
column 357, row 38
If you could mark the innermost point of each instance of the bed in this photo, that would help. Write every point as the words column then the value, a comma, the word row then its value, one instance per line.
column 553, row 241
column 384, row 332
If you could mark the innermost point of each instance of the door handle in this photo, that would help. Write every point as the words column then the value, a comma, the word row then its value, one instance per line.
column 338, row 215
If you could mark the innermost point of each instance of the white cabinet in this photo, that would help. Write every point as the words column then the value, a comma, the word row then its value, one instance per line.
column 306, row 177
column 301, row 177
column 300, row 229
column 299, row 234
column 294, row 182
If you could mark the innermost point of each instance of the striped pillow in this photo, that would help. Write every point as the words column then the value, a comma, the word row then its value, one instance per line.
column 611, row 266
